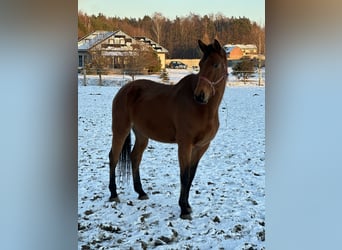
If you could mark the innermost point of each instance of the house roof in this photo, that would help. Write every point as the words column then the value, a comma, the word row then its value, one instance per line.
column 155, row 46
column 99, row 36
column 229, row 48
column 241, row 46
column 92, row 39
column 246, row 46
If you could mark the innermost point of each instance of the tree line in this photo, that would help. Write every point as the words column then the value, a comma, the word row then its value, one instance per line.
column 179, row 36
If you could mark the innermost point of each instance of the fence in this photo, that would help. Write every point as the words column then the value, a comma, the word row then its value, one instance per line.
column 240, row 78
column 256, row 77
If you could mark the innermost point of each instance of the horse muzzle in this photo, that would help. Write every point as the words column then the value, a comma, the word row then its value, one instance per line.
column 201, row 98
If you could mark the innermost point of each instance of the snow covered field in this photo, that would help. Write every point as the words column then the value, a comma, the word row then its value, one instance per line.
column 227, row 195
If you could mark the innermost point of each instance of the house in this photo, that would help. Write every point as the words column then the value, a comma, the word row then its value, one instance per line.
column 116, row 46
column 233, row 52
column 237, row 51
column 248, row 50
column 160, row 51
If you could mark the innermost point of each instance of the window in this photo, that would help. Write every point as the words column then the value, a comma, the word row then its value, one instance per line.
column 80, row 61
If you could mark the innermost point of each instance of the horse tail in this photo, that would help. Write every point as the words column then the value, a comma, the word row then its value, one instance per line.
column 125, row 162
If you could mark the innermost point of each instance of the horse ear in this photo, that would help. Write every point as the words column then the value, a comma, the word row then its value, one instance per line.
column 217, row 45
column 202, row 46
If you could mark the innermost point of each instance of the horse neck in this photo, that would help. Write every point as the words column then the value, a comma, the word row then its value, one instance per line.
column 217, row 98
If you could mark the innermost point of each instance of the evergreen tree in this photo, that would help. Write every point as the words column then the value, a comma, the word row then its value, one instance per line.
column 164, row 75
column 244, row 69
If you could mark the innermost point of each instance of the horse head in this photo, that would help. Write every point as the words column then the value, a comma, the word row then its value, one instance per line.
column 213, row 71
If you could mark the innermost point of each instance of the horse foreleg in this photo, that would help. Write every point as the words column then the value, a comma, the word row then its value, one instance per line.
column 189, row 159
column 184, row 155
column 197, row 153
column 139, row 147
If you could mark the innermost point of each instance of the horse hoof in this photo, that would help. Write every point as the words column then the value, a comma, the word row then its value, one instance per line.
column 185, row 217
column 116, row 199
column 143, row 197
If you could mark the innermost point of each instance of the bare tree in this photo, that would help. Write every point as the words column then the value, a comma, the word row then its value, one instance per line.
column 142, row 58
column 98, row 63
column 158, row 21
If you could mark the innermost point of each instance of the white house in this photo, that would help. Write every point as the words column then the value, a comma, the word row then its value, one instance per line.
column 115, row 45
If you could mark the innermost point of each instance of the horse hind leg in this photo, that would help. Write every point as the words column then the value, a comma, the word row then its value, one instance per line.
column 112, row 184
column 114, row 155
column 136, row 156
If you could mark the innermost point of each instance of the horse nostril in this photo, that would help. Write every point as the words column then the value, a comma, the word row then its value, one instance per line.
column 200, row 98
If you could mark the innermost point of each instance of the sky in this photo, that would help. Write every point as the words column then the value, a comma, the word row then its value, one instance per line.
column 252, row 9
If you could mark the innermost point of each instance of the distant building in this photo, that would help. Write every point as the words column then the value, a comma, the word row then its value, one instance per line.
column 161, row 51
column 237, row 51
column 233, row 52
column 116, row 45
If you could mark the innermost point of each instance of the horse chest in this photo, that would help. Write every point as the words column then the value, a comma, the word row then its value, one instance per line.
column 206, row 134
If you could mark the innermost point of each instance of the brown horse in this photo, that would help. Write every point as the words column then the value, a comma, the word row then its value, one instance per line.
column 186, row 114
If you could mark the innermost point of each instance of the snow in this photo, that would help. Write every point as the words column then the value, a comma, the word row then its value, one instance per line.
column 227, row 194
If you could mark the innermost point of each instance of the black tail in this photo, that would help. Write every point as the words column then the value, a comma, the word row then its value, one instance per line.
column 125, row 163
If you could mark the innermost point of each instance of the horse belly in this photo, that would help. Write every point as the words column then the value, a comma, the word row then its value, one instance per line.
column 156, row 130
column 155, row 122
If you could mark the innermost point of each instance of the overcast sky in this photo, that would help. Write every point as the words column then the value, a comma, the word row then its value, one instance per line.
column 252, row 9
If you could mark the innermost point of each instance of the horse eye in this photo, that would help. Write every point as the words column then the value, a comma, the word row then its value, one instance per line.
column 215, row 65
